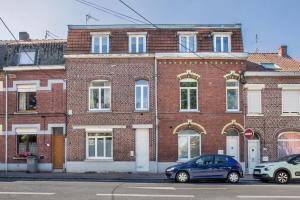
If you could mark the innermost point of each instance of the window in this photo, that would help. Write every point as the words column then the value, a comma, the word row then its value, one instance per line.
column 188, row 95
column 270, row 66
column 221, row 160
column 100, row 95
column 222, row 42
column 187, row 43
column 141, row 95
column 27, row 57
column 254, row 101
column 26, row 101
column 291, row 101
column 26, row 143
column 205, row 160
column 100, row 43
column 189, row 142
column 99, row 146
column 232, row 95
column 137, row 43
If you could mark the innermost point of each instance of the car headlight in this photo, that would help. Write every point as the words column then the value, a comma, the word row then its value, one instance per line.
column 170, row 169
column 267, row 168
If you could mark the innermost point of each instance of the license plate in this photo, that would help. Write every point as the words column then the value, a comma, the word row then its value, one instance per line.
column 256, row 172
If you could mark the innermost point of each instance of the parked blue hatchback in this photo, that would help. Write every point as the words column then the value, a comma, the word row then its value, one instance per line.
column 206, row 167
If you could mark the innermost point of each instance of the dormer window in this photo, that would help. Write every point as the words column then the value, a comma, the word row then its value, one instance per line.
column 187, row 42
column 27, row 57
column 100, row 42
column 222, row 41
column 270, row 66
column 137, row 42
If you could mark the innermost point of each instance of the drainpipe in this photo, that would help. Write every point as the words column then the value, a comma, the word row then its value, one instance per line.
column 6, row 120
column 156, row 115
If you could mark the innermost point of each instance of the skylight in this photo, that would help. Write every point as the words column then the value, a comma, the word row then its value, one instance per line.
column 270, row 66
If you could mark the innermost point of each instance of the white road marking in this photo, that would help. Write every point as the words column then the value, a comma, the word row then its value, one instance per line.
column 173, row 188
column 28, row 193
column 268, row 197
column 146, row 195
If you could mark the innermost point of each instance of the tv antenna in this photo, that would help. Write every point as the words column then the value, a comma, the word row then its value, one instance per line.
column 50, row 34
column 256, row 43
column 89, row 17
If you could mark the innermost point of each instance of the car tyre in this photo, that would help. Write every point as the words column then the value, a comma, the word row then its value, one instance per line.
column 282, row 177
column 233, row 177
column 182, row 177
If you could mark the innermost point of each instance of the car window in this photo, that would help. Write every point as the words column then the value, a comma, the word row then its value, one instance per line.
column 297, row 160
column 205, row 160
column 220, row 160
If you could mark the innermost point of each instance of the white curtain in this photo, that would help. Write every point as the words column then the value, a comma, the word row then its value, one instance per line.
column 22, row 101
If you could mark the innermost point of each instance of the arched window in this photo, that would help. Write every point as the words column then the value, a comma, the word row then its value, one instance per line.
column 100, row 95
column 188, row 95
column 189, row 144
column 141, row 95
column 288, row 143
column 232, row 95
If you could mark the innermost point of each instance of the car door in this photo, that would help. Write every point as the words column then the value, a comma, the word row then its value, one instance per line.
column 202, row 168
column 220, row 166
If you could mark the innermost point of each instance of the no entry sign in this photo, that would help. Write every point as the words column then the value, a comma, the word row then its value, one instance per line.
column 248, row 133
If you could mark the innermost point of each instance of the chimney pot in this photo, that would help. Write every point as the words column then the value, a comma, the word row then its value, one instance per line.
column 282, row 51
column 23, row 36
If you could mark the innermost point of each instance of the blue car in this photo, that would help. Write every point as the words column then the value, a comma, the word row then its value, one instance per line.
column 206, row 167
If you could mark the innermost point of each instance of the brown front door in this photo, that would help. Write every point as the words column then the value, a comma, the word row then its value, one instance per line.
column 58, row 151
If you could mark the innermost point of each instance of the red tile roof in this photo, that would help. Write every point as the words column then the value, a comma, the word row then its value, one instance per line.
column 286, row 63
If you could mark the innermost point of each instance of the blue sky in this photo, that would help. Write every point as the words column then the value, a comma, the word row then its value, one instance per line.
column 275, row 21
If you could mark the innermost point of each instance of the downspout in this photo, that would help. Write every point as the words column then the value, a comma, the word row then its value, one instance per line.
column 6, row 120
column 156, row 115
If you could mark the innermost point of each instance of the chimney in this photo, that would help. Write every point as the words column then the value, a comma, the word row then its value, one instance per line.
column 23, row 36
column 282, row 51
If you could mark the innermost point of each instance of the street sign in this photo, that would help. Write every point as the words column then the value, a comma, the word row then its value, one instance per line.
column 248, row 133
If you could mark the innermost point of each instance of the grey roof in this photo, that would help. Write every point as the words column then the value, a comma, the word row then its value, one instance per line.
column 162, row 26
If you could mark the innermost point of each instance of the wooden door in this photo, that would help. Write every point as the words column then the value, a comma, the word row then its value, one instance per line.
column 58, row 152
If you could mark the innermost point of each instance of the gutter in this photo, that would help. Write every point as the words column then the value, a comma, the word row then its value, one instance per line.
column 156, row 115
column 6, row 120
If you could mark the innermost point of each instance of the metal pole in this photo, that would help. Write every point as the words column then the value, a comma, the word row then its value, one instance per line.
column 6, row 119
column 156, row 116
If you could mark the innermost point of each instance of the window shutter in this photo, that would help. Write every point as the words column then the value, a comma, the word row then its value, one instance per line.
column 254, row 101
column 290, row 101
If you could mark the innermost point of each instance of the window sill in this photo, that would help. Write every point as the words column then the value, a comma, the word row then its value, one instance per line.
column 141, row 111
column 228, row 111
column 99, row 160
column 290, row 115
column 255, row 115
column 26, row 113
column 187, row 111
column 99, row 111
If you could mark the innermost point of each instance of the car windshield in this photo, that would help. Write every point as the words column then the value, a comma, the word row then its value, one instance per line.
column 285, row 158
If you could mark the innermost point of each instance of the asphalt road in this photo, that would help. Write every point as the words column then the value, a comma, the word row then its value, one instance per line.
column 75, row 190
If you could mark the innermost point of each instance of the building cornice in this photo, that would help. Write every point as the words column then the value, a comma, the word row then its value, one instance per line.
column 124, row 55
column 266, row 74
column 33, row 68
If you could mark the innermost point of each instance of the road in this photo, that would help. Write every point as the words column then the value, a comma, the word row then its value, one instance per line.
column 84, row 190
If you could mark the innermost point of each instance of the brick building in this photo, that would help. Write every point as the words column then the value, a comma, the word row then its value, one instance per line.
column 36, row 89
column 113, row 90
column 272, row 105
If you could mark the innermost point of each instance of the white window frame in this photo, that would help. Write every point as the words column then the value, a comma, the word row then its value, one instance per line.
column 189, row 145
column 29, row 55
column 222, row 35
column 99, row 89
column 100, row 36
column 297, row 113
column 238, row 91
column 26, row 88
column 96, row 145
column 137, row 35
column 187, row 35
column 260, row 102
column 188, row 95
column 143, row 107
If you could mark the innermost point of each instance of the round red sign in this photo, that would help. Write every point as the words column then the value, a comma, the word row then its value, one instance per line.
column 248, row 133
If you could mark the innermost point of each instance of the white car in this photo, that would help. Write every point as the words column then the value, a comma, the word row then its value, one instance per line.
column 281, row 171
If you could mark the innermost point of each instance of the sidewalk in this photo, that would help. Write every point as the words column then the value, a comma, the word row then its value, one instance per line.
column 143, row 177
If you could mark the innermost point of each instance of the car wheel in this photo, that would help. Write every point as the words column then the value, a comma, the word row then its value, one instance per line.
column 282, row 177
column 233, row 177
column 182, row 177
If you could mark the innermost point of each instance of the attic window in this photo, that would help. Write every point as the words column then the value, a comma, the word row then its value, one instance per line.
column 270, row 66
column 26, row 57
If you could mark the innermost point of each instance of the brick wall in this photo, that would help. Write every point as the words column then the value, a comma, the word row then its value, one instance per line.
column 271, row 124
column 122, row 73
column 211, row 101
